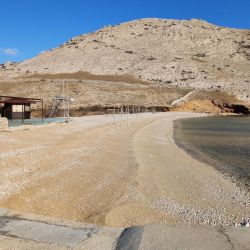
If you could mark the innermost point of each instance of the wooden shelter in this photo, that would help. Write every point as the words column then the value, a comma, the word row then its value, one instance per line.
column 17, row 107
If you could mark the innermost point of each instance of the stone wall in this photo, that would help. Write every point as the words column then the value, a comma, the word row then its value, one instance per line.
column 3, row 124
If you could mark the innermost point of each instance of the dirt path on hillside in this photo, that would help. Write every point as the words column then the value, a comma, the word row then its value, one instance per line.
column 88, row 170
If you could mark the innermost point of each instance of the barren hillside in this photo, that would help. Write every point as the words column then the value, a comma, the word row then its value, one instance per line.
column 165, row 53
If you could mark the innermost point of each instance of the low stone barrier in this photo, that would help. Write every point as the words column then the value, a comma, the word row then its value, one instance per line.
column 3, row 123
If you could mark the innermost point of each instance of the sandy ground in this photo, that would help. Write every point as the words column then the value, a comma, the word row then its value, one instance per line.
column 89, row 170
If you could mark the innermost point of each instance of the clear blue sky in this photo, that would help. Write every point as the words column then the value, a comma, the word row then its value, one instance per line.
column 31, row 26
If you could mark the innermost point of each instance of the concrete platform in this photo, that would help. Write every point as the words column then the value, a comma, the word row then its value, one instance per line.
column 36, row 232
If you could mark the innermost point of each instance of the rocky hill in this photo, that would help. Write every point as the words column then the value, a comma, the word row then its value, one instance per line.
column 168, row 53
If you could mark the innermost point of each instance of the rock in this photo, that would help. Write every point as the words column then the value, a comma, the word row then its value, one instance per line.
column 156, row 52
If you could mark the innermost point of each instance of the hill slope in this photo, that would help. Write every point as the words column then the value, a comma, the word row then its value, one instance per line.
column 186, row 54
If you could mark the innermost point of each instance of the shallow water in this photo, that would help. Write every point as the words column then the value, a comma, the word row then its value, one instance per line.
column 223, row 142
column 36, row 121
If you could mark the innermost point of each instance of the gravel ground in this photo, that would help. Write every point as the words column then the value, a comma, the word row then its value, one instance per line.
column 130, row 174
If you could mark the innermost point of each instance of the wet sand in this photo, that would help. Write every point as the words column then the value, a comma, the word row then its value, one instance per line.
column 133, row 174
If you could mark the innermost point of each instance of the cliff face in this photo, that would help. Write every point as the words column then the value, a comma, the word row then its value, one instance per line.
column 185, row 54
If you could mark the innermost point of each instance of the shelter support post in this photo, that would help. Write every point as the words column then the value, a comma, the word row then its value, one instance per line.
column 42, row 111
column 22, row 113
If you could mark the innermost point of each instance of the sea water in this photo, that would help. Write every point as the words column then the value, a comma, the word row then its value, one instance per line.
column 35, row 122
column 222, row 142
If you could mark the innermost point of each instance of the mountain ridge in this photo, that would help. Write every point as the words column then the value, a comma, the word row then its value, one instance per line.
column 169, row 52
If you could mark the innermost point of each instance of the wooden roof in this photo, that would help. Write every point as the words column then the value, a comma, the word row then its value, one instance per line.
column 18, row 100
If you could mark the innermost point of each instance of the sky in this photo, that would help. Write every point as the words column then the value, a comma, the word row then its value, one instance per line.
column 28, row 27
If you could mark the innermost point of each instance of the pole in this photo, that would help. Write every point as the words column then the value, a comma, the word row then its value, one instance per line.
column 128, row 115
column 63, row 101
column 42, row 111
column 67, row 99
column 114, row 116
column 121, row 110
column 22, row 114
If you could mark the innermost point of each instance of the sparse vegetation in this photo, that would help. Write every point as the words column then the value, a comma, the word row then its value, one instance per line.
column 160, row 49
column 198, row 60
column 151, row 58
column 129, row 52
column 200, row 55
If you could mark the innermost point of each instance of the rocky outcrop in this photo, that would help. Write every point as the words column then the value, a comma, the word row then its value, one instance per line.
column 237, row 108
column 8, row 66
column 186, row 53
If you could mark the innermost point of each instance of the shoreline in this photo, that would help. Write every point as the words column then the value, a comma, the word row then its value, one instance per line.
column 154, row 180
column 228, row 172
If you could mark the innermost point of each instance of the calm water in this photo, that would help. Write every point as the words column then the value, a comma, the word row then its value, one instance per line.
column 36, row 121
column 223, row 142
